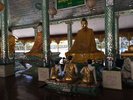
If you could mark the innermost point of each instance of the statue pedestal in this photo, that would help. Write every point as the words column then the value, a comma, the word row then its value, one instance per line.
column 86, row 89
column 83, row 57
column 128, row 53
column 6, row 70
column 62, row 87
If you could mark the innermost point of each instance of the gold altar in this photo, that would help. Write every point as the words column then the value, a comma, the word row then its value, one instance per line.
column 82, row 57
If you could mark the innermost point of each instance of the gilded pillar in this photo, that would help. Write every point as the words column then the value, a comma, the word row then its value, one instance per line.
column 46, row 33
column 109, row 33
column 69, row 33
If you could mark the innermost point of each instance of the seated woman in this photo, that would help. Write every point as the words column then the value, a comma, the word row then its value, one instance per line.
column 56, row 72
column 127, row 69
column 88, row 73
column 70, row 70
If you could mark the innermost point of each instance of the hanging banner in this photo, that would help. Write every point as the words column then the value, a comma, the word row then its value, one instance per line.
column 64, row 4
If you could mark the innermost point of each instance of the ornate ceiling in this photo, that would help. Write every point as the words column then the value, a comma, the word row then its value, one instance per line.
column 26, row 12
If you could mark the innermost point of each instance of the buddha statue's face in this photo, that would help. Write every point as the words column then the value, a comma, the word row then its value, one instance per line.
column 84, row 24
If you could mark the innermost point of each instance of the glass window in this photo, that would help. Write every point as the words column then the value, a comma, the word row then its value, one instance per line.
column 54, row 46
column 63, row 47
column 124, row 43
column 28, row 46
column 19, row 47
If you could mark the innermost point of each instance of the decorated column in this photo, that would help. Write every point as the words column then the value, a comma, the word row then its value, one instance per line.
column 46, row 33
column 69, row 35
column 4, row 34
column 109, row 33
column 6, row 62
column 117, row 35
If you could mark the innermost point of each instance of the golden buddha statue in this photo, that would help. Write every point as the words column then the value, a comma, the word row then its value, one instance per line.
column 37, row 49
column 128, row 53
column 70, row 70
column 11, row 43
column 55, row 71
column 88, row 74
column 84, row 46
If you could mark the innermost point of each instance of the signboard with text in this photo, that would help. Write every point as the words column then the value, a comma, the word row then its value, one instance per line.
column 112, row 79
column 65, row 4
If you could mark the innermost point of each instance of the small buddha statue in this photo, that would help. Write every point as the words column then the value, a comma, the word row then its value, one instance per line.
column 70, row 70
column 88, row 73
column 55, row 71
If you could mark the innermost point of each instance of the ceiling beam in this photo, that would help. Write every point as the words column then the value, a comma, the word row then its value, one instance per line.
column 76, row 18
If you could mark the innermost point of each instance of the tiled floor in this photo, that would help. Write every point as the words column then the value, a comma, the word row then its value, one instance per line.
column 26, row 87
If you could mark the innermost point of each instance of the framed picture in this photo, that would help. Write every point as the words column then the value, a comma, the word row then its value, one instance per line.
column 66, row 4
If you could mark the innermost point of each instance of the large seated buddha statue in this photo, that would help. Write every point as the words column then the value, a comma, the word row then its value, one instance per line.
column 84, row 47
